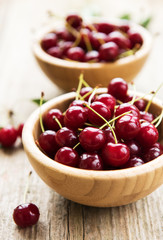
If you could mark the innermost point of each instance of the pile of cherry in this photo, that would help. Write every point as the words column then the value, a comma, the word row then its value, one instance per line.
column 96, row 42
column 113, row 130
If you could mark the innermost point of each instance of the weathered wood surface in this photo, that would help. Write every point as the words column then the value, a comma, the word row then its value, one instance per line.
column 21, row 80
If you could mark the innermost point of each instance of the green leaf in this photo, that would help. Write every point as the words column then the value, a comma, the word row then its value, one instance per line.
column 146, row 22
column 126, row 16
column 37, row 101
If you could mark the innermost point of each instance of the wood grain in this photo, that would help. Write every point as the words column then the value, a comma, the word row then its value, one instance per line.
column 22, row 80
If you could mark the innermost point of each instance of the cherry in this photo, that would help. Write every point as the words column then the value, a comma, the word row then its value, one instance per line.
column 49, row 40
column 146, row 116
column 133, row 162
column 74, row 20
column 48, row 143
column 135, row 38
column 92, row 56
column 108, row 100
column 67, row 156
column 85, row 39
column 92, row 139
column 109, row 135
column 8, row 136
column 26, row 215
column 108, row 51
column 76, row 54
column 66, row 137
column 124, row 27
column 105, row 27
column 135, row 149
column 140, row 104
column 75, row 117
column 64, row 34
column 97, row 38
column 91, row 161
column 118, row 88
column 20, row 129
column 115, row 154
column 84, row 91
column 127, row 127
column 49, row 121
column 148, row 134
column 65, row 45
column 127, row 107
column 55, row 52
column 102, row 110
column 151, row 154
column 118, row 38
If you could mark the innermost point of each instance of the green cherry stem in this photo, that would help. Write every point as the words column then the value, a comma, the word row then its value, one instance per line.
column 27, row 187
column 79, row 86
column 92, row 95
column 56, row 119
column 41, row 121
column 76, row 145
column 87, row 43
column 149, row 102
column 158, row 119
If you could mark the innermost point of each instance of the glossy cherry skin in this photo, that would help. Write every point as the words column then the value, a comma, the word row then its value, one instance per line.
column 133, row 162
column 48, row 143
column 105, row 27
column 64, row 34
column 115, row 154
column 74, row 20
column 148, row 134
column 146, row 116
column 135, row 148
column 66, row 137
column 48, row 119
column 135, row 38
column 118, row 38
column 76, row 54
column 79, row 103
column 49, row 40
column 127, row 107
column 67, row 156
column 109, row 135
column 118, row 88
column 97, row 39
column 108, row 51
column 127, row 127
column 55, row 52
column 92, row 139
column 8, row 136
column 108, row 100
column 64, row 46
column 26, row 215
column 75, row 117
column 140, row 104
column 92, row 56
column 84, row 91
column 124, row 27
column 101, row 109
column 151, row 154
column 91, row 161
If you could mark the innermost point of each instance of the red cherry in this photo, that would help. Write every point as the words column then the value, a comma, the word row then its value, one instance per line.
column 140, row 104
column 133, row 162
column 92, row 56
column 66, row 137
column 49, row 40
column 74, row 20
column 26, row 215
column 67, row 156
column 109, row 135
column 92, row 139
column 135, row 149
column 118, row 38
column 84, row 91
column 55, row 52
column 146, row 116
column 8, row 136
column 108, row 51
column 76, row 54
column 48, row 119
column 108, row 100
column 127, row 107
column 105, row 27
column 115, row 154
column 97, row 38
column 64, row 34
column 65, row 45
column 124, row 27
column 151, row 153
column 91, row 161
column 135, row 38
column 118, row 88
column 20, row 129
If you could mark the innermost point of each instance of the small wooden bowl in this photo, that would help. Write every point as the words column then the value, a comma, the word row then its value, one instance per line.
column 65, row 73
column 105, row 188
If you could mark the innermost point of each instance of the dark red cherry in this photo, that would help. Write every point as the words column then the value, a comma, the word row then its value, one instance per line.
column 67, row 156
column 49, row 40
column 135, row 148
column 108, row 51
column 84, row 38
column 91, row 161
column 48, row 119
column 26, row 215
column 146, row 116
column 75, row 117
column 48, row 143
column 140, row 104
column 105, row 27
column 148, row 134
column 118, row 88
column 65, row 45
column 118, row 38
column 74, row 20
column 101, row 109
column 115, row 154
column 127, row 127
column 55, row 52
column 151, row 154
column 124, row 27
column 79, row 103
column 66, row 137
column 8, row 136
column 109, row 135
column 97, row 39
column 92, row 139
column 86, row 90
column 133, row 162
column 127, row 107
column 92, row 56
column 135, row 38
column 64, row 34
column 76, row 54
column 108, row 100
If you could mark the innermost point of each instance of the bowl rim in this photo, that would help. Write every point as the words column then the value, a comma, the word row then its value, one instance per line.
column 42, row 55
column 32, row 149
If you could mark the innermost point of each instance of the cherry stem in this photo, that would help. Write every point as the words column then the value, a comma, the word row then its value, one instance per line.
column 118, row 101
column 134, row 96
column 76, row 145
column 149, row 102
column 107, row 123
column 159, row 119
column 77, row 41
column 27, row 186
column 72, row 30
column 56, row 119
column 41, row 121
column 79, row 86
column 92, row 95
column 87, row 43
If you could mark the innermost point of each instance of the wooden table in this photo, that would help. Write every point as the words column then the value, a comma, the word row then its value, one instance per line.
column 20, row 81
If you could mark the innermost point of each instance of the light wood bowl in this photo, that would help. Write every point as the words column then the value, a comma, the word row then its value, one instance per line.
column 105, row 188
column 65, row 73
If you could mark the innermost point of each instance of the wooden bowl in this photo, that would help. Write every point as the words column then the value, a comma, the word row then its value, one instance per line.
column 105, row 188
column 65, row 73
